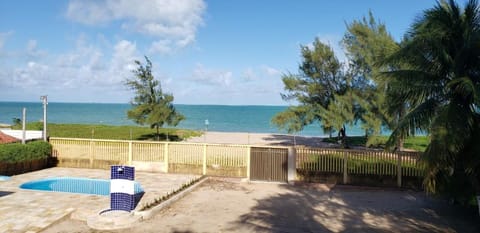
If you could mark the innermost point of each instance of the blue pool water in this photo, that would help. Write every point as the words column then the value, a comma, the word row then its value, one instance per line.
column 74, row 185
column 4, row 178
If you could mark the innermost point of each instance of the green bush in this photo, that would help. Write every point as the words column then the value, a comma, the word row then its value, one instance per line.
column 24, row 152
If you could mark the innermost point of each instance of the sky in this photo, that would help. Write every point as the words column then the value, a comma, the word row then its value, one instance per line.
column 226, row 52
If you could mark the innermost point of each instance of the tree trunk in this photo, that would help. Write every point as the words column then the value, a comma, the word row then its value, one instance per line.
column 399, row 145
column 401, row 140
column 366, row 138
column 158, row 133
column 342, row 134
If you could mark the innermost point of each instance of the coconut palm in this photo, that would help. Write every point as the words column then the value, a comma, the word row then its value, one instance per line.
column 440, row 80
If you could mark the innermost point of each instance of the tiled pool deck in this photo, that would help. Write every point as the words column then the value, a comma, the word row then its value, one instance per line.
column 32, row 211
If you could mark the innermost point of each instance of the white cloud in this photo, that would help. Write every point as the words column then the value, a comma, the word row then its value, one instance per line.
column 260, row 73
column 161, row 46
column 33, row 51
column 83, row 73
column 168, row 20
column 257, row 84
column 3, row 38
column 249, row 74
column 212, row 77
column 270, row 71
column 334, row 41
column 31, row 45
column 124, row 55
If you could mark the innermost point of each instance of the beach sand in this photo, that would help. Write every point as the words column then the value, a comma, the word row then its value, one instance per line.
column 260, row 139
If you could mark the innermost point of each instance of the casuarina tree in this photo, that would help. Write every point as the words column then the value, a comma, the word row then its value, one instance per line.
column 150, row 106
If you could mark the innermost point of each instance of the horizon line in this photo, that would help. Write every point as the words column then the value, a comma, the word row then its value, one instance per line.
column 207, row 104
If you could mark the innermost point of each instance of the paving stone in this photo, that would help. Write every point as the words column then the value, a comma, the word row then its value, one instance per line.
column 39, row 209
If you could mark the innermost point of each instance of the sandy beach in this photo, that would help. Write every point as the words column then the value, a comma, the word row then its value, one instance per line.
column 260, row 139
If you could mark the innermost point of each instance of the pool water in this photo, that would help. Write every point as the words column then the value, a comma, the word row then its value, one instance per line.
column 74, row 185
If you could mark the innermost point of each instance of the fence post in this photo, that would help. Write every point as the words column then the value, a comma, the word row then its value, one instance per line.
column 345, row 175
column 292, row 168
column 165, row 156
column 399, row 170
column 204, row 159
column 130, row 153
column 91, row 150
column 249, row 150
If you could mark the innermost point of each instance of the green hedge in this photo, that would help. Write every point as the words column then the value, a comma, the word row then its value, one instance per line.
column 16, row 152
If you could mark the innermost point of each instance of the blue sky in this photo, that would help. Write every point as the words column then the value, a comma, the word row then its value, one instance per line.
column 230, row 52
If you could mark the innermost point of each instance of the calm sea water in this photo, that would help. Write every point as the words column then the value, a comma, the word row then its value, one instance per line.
column 253, row 119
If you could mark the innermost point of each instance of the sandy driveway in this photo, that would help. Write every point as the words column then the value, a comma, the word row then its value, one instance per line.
column 232, row 206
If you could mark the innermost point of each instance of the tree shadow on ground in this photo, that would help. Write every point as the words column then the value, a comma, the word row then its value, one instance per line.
column 307, row 209
column 290, row 140
column 4, row 193
column 159, row 137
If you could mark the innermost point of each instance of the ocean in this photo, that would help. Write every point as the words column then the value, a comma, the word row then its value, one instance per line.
column 221, row 118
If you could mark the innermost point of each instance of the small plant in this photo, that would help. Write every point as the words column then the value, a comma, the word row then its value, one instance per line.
column 163, row 198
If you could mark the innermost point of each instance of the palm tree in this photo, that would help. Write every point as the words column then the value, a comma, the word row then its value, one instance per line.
column 440, row 79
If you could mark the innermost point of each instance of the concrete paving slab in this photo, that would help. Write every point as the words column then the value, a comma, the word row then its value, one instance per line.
column 31, row 210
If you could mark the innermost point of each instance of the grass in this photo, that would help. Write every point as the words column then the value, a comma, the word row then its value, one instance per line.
column 126, row 132
column 358, row 163
column 417, row 143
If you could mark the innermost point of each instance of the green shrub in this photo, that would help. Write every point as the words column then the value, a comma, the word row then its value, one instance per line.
column 17, row 152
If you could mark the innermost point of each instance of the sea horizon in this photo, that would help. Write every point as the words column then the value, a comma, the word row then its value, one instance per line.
column 221, row 118
column 80, row 102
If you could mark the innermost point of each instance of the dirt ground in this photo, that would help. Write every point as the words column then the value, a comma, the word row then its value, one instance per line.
column 228, row 205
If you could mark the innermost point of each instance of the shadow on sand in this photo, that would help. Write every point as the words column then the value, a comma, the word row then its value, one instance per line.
column 307, row 209
column 159, row 137
column 4, row 193
column 290, row 140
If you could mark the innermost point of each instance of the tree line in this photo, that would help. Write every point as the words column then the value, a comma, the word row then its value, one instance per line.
column 429, row 82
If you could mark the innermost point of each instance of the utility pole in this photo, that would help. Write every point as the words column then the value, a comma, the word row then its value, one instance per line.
column 24, row 122
column 206, row 130
column 45, row 102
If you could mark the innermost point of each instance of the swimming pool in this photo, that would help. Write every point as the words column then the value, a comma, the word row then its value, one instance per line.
column 74, row 185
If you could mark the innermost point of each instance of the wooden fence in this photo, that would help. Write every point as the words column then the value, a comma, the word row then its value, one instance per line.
column 237, row 160
column 352, row 164
column 208, row 159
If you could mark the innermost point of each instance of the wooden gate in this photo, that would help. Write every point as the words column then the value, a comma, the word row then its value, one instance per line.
column 269, row 164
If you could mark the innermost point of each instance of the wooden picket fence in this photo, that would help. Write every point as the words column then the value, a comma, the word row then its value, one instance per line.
column 208, row 159
column 236, row 160
column 351, row 164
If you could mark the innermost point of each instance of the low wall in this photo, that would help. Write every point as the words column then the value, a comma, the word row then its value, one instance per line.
column 10, row 169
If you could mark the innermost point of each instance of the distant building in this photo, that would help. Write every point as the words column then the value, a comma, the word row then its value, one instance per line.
column 4, row 138
column 17, row 134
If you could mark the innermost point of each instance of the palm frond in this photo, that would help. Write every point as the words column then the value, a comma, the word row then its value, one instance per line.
column 419, row 119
